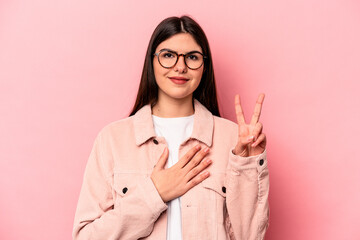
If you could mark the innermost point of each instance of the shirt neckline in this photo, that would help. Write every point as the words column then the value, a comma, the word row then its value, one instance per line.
column 173, row 118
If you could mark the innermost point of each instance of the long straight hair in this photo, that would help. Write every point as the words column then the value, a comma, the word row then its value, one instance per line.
column 205, row 93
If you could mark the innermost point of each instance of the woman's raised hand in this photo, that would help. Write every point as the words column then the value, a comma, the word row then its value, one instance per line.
column 251, row 139
column 175, row 181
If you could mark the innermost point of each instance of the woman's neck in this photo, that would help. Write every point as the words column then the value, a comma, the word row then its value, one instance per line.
column 172, row 108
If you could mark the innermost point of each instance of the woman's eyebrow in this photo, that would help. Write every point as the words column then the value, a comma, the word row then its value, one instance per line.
column 167, row 49
column 170, row 50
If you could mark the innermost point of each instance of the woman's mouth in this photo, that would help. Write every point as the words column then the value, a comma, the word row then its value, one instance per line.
column 179, row 80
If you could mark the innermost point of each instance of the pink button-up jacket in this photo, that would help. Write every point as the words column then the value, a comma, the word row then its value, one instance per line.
column 118, row 200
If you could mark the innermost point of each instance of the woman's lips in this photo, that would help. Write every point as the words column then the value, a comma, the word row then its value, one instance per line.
column 179, row 80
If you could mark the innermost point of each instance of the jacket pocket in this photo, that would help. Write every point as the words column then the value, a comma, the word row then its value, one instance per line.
column 124, row 185
column 216, row 183
column 213, row 209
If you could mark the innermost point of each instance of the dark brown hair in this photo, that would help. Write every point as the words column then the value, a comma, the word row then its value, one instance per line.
column 148, row 89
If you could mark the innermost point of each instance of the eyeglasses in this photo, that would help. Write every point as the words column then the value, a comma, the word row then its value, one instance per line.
column 168, row 58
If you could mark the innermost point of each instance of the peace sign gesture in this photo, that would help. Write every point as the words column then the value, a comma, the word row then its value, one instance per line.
column 251, row 139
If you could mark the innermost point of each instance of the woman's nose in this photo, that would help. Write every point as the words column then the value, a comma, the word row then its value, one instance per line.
column 180, row 66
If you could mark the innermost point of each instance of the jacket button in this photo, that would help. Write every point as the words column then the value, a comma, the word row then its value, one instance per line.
column 155, row 141
column 224, row 189
column 261, row 162
column 124, row 190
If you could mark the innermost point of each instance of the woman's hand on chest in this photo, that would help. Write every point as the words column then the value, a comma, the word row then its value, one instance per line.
column 188, row 172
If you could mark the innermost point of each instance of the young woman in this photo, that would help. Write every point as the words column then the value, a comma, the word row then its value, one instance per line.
column 174, row 169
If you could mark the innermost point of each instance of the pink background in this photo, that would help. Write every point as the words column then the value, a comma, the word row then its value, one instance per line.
column 68, row 68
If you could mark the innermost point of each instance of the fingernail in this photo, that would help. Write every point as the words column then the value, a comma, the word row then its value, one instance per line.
column 206, row 174
column 208, row 161
column 206, row 150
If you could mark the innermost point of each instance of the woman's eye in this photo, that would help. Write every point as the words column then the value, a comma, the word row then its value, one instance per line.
column 168, row 55
column 193, row 57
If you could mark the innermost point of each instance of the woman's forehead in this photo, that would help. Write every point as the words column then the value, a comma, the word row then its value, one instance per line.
column 181, row 42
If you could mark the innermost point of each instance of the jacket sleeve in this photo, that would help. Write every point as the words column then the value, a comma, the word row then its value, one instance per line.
column 247, row 190
column 97, row 218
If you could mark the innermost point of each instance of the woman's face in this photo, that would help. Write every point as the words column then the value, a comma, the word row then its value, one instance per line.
column 169, row 87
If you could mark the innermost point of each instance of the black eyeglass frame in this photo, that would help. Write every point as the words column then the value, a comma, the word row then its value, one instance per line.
column 179, row 55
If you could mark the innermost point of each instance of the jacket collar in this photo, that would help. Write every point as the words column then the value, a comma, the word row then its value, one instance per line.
column 202, row 129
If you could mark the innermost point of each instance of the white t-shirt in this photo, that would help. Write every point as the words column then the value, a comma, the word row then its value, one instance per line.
column 175, row 131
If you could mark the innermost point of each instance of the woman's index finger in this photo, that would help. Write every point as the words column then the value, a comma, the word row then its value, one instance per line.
column 257, row 110
column 238, row 110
